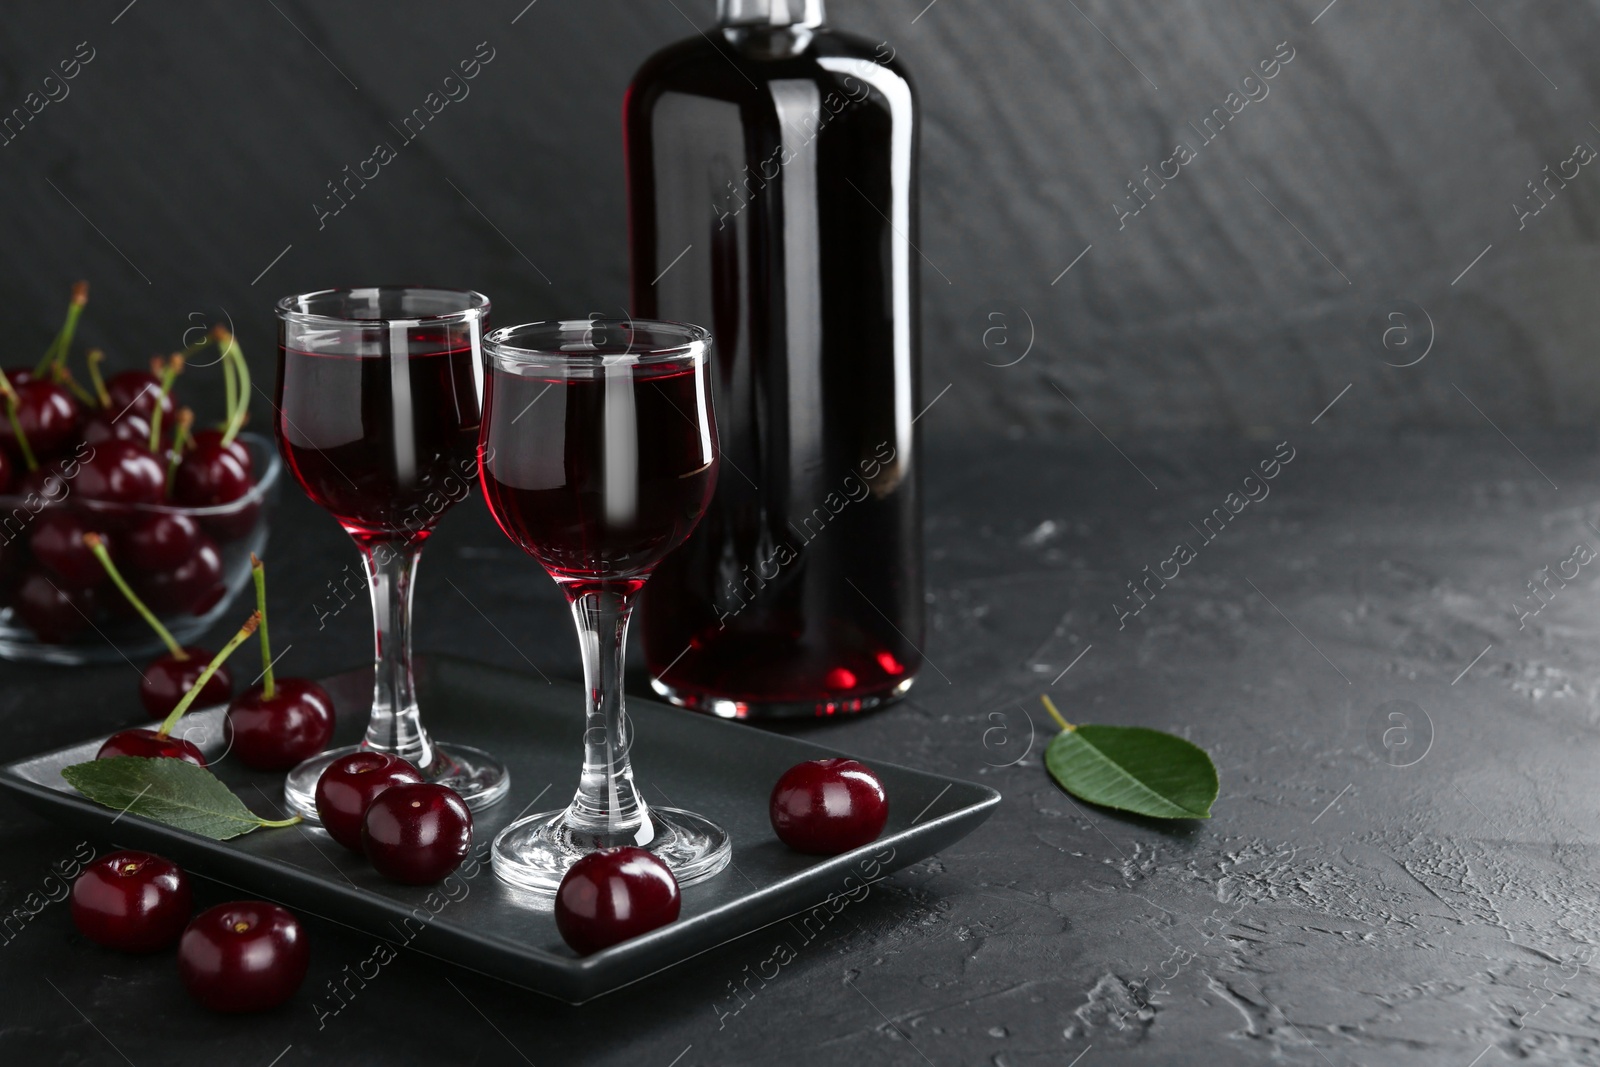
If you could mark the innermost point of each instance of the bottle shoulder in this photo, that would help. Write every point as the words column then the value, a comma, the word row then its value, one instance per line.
column 713, row 66
column 831, row 43
column 675, row 58
column 835, row 44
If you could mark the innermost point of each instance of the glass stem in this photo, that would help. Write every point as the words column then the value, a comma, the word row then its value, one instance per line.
column 395, row 725
column 607, row 802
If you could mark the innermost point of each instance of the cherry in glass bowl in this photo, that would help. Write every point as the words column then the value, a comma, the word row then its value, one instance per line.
column 188, row 563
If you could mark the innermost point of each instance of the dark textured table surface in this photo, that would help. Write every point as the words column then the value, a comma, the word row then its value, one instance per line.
column 1432, row 901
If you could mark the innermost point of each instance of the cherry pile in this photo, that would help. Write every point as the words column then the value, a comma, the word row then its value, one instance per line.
column 173, row 673
column 269, row 727
column 411, row 831
column 244, row 956
column 159, row 743
column 101, row 460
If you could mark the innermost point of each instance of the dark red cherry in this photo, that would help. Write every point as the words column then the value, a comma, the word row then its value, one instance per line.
column 158, row 542
column 150, row 745
column 210, row 476
column 122, row 472
column 48, row 414
column 131, row 901
column 417, row 834
column 8, row 472
column 56, row 539
column 350, row 785
column 244, row 956
column 19, row 375
column 53, row 610
column 109, row 426
column 612, row 895
column 49, row 483
column 193, row 587
column 210, row 440
column 138, row 391
column 828, row 806
column 276, row 733
column 168, row 678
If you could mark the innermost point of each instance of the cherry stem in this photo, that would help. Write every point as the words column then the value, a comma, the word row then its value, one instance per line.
column 170, row 374
column 63, row 376
column 216, row 663
column 258, row 570
column 1049, row 705
column 241, row 406
column 96, row 357
column 279, row 822
column 179, row 438
column 96, row 544
column 57, row 352
column 12, row 402
column 230, row 385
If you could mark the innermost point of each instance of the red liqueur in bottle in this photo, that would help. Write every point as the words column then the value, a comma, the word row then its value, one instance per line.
column 772, row 187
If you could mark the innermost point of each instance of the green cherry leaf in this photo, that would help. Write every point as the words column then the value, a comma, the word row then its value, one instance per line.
column 1133, row 768
column 170, row 791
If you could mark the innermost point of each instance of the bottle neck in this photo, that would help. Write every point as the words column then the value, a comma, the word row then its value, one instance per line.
column 774, row 14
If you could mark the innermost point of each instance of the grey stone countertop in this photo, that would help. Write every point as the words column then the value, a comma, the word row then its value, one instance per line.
column 1399, row 869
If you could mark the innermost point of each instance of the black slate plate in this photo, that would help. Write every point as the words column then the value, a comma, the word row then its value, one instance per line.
column 722, row 770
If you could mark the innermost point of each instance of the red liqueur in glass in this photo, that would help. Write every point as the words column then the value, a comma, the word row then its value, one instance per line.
column 588, row 506
column 598, row 456
column 379, row 404
column 386, row 445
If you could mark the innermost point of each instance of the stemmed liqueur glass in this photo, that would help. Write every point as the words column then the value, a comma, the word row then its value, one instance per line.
column 379, row 401
column 598, row 455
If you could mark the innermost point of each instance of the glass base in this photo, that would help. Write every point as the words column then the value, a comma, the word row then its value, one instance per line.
column 725, row 708
column 534, row 853
column 481, row 779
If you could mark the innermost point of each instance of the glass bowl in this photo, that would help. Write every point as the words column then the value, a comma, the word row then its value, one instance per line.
column 112, row 632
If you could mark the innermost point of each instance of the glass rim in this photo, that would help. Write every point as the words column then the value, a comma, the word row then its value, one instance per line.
column 498, row 343
column 287, row 308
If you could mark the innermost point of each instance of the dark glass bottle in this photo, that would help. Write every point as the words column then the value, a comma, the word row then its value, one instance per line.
column 772, row 185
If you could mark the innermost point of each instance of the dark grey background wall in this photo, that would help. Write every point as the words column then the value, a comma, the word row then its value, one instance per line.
column 181, row 170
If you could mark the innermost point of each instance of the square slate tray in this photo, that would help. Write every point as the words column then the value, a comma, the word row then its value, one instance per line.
column 722, row 770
